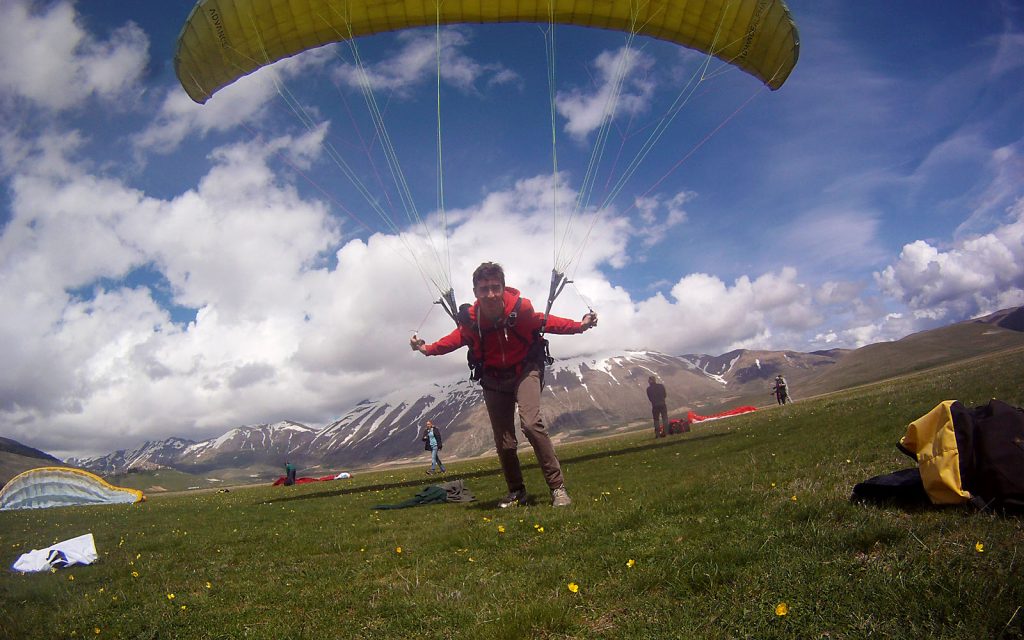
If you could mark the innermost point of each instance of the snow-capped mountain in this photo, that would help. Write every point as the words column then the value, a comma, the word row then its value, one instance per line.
column 261, row 445
column 270, row 444
column 743, row 366
column 151, row 455
column 390, row 427
column 582, row 396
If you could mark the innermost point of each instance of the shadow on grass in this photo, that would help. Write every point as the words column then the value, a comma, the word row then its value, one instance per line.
column 657, row 444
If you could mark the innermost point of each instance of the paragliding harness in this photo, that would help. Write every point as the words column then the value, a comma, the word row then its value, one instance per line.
column 678, row 426
column 964, row 455
column 538, row 351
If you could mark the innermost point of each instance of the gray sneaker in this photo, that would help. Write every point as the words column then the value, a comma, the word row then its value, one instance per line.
column 513, row 499
column 560, row 498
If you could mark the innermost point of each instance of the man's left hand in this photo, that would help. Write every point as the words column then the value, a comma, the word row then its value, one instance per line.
column 589, row 321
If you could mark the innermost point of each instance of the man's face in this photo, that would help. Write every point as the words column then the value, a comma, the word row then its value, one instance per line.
column 490, row 293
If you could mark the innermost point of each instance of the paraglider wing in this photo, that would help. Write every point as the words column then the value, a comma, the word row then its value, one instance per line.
column 61, row 487
column 223, row 40
column 693, row 417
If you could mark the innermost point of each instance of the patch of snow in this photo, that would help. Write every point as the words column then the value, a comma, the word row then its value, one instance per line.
column 226, row 437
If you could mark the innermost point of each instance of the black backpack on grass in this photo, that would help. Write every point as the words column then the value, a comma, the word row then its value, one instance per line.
column 963, row 455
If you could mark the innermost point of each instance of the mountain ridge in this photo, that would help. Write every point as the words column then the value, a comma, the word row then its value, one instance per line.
column 583, row 396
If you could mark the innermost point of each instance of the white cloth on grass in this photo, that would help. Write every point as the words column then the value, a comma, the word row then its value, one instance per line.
column 80, row 550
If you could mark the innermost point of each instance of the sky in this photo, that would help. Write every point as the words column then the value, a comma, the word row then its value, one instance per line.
column 176, row 269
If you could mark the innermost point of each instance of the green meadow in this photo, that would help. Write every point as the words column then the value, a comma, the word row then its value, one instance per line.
column 740, row 529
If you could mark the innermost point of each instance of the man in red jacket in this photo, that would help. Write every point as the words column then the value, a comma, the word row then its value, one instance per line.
column 503, row 332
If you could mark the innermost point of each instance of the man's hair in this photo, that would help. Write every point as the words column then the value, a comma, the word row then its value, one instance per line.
column 488, row 271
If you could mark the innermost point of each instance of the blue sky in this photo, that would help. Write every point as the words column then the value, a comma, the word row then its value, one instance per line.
column 175, row 269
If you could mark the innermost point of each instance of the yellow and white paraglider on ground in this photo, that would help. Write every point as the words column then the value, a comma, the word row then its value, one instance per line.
column 61, row 487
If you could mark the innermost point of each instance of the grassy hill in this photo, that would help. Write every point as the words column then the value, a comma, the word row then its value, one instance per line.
column 16, row 458
column 915, row 352
column 714, row 534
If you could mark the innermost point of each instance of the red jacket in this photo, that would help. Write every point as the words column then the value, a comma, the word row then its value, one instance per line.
column 501, row 348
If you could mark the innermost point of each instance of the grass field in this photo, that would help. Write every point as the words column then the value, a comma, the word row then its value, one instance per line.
column 713, row 534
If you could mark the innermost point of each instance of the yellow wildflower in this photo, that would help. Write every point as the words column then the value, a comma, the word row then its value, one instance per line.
column 781, row 609
column 135, row 574
column 71, row 578
column 170, row 596
column 501, row 528
column 540, row 529
column 96, row 630
column 574, row 587
column 793, row 498
column 182, row 607
column 209, row 586
column 630, row 563
column 398, row 549
column 979, row 547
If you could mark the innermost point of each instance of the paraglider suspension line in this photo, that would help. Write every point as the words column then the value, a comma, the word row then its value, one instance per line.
column 447, row 302
column 558, row 282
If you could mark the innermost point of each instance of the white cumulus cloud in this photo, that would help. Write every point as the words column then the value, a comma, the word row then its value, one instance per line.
column 976, row 275
column 60, row 63
column 416, row 62
column 621, row 88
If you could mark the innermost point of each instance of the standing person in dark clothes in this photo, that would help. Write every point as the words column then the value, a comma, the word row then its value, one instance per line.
column 659, row 409
column 502, row 330
column 781, row 390
column 432, row 443
column 289, row 474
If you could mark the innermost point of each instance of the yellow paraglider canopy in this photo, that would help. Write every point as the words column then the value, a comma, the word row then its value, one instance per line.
column 45, row 487
column 223, row 40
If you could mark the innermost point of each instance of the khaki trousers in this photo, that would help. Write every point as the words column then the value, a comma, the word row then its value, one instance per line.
column 501, row 397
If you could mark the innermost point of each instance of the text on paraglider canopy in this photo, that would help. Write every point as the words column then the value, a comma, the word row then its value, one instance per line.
column 218, row 26
column 755, row 20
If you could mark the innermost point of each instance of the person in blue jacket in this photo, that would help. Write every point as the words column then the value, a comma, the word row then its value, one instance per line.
column 432, row 443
